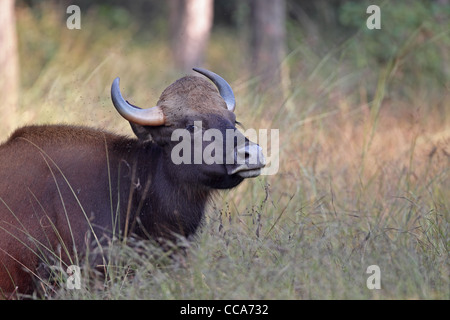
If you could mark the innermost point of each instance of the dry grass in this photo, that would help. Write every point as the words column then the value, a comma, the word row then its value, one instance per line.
column 363, row 179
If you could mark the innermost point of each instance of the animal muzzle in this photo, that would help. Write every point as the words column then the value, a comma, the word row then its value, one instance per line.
column 248, row 160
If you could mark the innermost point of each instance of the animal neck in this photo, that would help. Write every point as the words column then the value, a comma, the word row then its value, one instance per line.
column 165, row 204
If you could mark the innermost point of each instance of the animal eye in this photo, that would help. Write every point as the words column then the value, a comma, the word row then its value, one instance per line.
column 191, row 127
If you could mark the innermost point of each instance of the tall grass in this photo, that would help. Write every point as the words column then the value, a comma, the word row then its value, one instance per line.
column 363, row 179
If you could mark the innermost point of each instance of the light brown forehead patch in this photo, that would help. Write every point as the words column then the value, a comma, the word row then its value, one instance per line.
column 190, row 96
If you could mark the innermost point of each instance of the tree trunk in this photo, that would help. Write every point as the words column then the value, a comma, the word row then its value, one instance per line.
column 190, row 26
column 268, row 35
column 9, row 66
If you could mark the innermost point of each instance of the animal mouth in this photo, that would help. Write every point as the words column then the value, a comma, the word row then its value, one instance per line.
column 249, row 173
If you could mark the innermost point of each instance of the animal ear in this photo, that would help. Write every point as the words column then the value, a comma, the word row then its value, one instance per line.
column 141, row 132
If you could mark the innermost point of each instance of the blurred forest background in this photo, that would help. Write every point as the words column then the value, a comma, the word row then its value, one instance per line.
column 268, row 43
column 364, row 120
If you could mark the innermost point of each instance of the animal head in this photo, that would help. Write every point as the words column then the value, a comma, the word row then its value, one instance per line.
column 205, row 115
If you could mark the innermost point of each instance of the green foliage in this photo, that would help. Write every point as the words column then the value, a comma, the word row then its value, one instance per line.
column 416, row 33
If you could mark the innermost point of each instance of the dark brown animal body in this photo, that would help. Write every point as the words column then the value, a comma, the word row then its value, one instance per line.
column 64, row 188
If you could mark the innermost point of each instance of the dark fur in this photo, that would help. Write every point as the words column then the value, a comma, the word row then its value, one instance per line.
column 36, row 161
column 62, row 185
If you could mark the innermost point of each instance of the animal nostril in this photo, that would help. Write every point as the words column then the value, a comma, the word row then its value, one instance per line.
column 241, row 156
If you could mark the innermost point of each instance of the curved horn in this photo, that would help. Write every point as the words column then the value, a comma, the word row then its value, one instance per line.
column 145, row 117
column 224, row 88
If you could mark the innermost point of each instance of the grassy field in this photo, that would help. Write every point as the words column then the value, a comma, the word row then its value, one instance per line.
column 364, row 174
